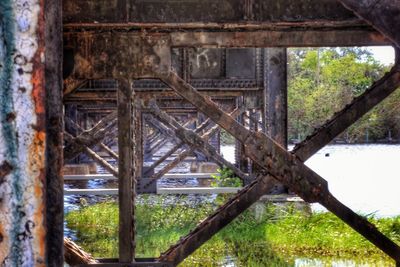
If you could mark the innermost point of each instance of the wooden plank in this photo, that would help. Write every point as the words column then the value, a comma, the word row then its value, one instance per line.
column 126, row 175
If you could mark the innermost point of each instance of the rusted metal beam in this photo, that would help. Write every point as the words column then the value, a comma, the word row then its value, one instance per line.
column 93, row 155
column 381, row 14
column 208, row 15
column 126, row 169
column 276, row 94
column 101, row 161
column 178, row 159
column 349, row 25
column 74, row 255
column 276, row 38
column 91, row 137
column 219, row 219
column 350, row 114
column 24, row 239
column 138, row 155
column 71, row 84
column 195, row 141
column 275, row 99
column 109, row 151
column 210, row 151
column 74, row 125
column 159, row 127
column 163, row 158
column 283, row 166
column 175, row 148
column 54, row 125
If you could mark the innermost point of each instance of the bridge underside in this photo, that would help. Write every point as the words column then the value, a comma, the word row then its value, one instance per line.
column 141, row 65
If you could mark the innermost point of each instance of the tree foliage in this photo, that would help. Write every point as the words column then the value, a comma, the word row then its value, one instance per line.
column 321, row 81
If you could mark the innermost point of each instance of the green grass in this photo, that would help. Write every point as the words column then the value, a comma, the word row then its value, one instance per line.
column 274, row 239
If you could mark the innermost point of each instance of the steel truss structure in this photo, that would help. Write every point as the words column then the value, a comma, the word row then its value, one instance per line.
column 145, row 46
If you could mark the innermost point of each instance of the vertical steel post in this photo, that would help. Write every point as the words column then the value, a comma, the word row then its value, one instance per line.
column 275, row 98
column 54, row 129
column 126, row 171
column 138, row 141
column 276, row 94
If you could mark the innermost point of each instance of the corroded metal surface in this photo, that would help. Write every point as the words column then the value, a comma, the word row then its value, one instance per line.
column 126, row 172
column 190, row 11
column 90, row 137
column 118, row 55
column 280, row 164
column 227, row 23
column 22, row 134
column 384, row 15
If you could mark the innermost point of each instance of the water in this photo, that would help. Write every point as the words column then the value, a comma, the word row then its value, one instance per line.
column 364, row 177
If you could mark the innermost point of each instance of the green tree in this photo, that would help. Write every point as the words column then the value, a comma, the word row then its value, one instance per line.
column 322, row 81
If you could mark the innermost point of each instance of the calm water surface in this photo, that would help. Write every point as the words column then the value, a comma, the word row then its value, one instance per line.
column 364, row 177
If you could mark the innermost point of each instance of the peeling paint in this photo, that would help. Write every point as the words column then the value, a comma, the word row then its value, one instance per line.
column 22, row 136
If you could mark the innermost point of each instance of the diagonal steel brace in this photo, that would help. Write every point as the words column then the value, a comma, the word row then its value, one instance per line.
column 280, row 164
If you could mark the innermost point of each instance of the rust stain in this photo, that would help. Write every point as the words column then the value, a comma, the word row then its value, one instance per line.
column 37, row 147
column 5, row 169
column 37, row 157
column 3, row 243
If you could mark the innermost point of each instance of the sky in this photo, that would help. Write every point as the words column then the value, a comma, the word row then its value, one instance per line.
column 384, row 54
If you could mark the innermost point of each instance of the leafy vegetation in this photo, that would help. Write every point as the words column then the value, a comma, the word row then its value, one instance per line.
column 275, row 238
column 226, row 178
column 322, row 81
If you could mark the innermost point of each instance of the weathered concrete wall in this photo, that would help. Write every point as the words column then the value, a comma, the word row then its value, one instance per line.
column 22, row 133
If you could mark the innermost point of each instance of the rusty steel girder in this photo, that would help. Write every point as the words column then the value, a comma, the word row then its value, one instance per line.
column 148, row 56
column 277, row 163
column 118, row 55
column 90, row 137
column 384, row 15
column 195, row 141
